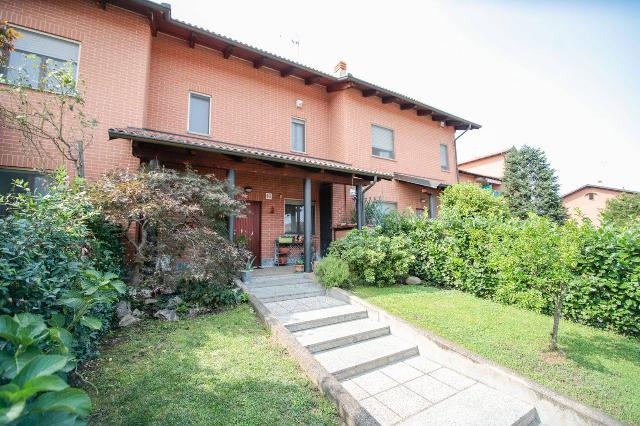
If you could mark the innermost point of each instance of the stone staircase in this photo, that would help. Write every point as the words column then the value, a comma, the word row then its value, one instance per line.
column 388, row 375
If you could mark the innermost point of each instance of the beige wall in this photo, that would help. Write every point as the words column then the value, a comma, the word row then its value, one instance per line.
column 492, row 166
column 579, row 201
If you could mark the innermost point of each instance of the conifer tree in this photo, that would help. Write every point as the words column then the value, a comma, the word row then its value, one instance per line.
column 531, row 185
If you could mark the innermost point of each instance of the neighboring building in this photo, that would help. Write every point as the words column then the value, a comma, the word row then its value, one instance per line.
column 590, row 200
column 487, row 170
column 288, row 135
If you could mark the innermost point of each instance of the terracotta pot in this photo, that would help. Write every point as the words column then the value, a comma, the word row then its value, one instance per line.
column 299, row 268
column 283, row 250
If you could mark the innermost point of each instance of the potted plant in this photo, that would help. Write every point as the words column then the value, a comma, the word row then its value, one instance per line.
column 245, row 274
column 300, row 264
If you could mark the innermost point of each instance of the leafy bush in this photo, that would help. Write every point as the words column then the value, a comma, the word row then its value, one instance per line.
column 333, row 272
column 374, row 258
column 622, row 210
column 206, row 294
column 48, row 250
column 33, row 360
column 607, row 292
column 179, row 216
column 468, row 200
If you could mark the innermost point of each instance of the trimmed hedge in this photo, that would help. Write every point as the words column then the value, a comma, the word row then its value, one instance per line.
column 475, row 246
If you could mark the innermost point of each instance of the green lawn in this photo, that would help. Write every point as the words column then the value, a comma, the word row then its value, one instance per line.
column 220, row 369
column 599, row 368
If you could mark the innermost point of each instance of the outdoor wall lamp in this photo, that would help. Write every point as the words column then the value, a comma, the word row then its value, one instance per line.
column 248, row 189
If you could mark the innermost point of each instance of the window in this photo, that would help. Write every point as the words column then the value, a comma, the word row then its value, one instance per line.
column 199, row 113
column 298, row 135
column 591, row 196
column 37, row 181
column 444, row 157
column 382, row 142
column 387, row 207
column 294, row 217
column 419, row 212
column 36, row 56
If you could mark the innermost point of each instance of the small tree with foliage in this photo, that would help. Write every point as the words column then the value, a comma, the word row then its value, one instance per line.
column 531, row 186
column 622, row 210
column 48, row 114
column 178, row 218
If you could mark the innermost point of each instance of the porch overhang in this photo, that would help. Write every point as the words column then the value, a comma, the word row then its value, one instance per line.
column 420, row 181
column 238, row 152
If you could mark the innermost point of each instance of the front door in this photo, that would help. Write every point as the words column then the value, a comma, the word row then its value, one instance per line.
column 325, row 199
column 248, row 226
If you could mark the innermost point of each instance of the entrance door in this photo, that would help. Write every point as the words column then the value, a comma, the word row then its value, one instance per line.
column 248, row 225
column 325, row 200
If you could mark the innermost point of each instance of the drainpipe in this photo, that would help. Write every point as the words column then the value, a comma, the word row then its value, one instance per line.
column 363, row 218
column 231, row 184
column 455, row 150
column 308, row 243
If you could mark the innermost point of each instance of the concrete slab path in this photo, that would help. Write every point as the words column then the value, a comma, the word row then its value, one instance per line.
column 387, row 374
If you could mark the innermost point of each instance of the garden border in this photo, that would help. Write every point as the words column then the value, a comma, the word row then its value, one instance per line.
column 349, row 409
column 552, row 407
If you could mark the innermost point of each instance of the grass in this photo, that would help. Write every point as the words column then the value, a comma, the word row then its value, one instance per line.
column 597, row 368
column 220, row 369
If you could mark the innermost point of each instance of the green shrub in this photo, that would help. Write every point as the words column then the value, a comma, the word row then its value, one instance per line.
column 47, row 248
column 607, row 292
column 206, row 294
column 468, row 200
column 333, row 272
column 373, row 258
column 33, row 361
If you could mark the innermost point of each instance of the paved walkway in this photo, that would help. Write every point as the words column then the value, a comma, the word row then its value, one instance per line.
column 388, row 375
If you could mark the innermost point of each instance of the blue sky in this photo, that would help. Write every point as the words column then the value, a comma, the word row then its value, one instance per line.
column 560, row 75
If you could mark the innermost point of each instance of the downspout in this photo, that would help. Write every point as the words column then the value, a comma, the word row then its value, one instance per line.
column 455, row 150
column 364, row 190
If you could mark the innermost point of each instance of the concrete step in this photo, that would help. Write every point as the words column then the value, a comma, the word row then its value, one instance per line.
column 362, row 357
column 298, row 321
column 278, row 281
column 287, row 292
column 341, row 334
column 477, row 405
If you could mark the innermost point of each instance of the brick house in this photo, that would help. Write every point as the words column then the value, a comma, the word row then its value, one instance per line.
column 487, row 170
column 298, row 142
column 589, row 201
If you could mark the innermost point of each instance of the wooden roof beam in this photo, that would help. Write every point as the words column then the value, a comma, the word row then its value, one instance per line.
column 423, row 112
column 438, row 117
column 259, row 63
column 228, row 51
column 340, row 86
column 287, row 71
column 388, row 99
column 407, row 106
column 312, row 80
column 192, row 40
column 369, row 92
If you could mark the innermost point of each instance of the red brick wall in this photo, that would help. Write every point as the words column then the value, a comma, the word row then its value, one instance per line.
column 134, row 79
column 114, row 63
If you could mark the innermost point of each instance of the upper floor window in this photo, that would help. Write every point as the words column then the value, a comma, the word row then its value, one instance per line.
column 199, row 113
column 444, row 157
column 40, row 61
column 382, row 142
column 591, row 196
column 298, row 142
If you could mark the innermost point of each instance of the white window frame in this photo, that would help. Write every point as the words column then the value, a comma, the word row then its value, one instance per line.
column 442, row 167
column 393, row 141
column 204, row 95
column 33, row 30
column 304, row 122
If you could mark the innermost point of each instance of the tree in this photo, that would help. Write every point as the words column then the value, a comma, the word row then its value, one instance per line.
column 622, row 209
column 530, row 185
column 179, row 220
column 48, row 114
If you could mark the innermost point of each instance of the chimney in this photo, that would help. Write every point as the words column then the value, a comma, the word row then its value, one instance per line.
column 340, row 69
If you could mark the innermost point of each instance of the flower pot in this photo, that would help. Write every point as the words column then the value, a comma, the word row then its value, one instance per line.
column 245, row 276
column 299, row 268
